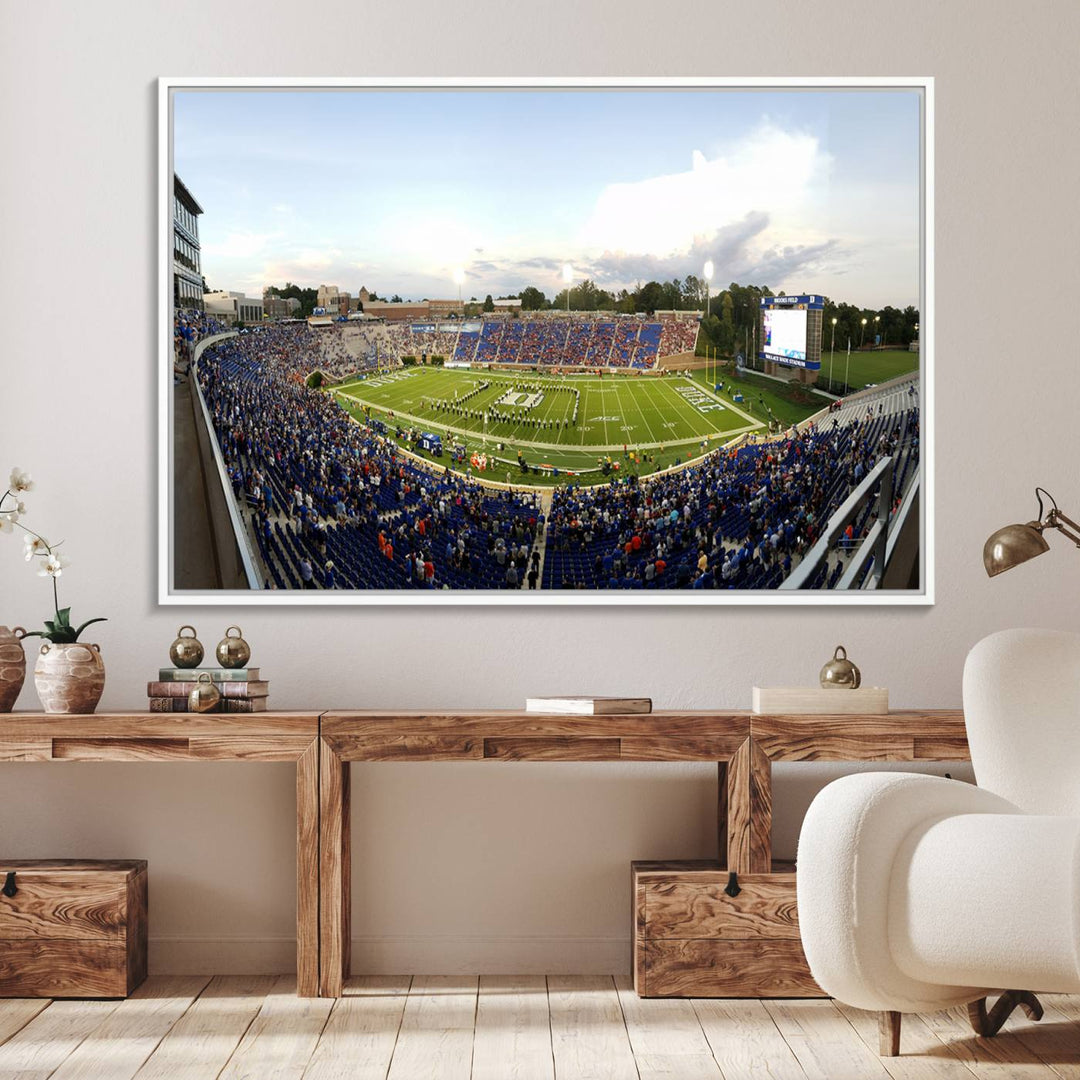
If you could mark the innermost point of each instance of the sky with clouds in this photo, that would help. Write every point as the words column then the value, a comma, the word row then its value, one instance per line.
column 805, row 191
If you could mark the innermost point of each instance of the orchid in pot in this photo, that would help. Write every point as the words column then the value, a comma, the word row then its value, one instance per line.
column 69, row 675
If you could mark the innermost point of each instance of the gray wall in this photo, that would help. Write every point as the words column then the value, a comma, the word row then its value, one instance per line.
column 495, row 867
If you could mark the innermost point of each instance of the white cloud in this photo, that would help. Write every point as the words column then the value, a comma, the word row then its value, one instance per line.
column 771, row 171
column 317, row 258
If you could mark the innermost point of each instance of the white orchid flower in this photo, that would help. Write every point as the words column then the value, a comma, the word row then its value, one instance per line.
column 54, row 565
column 7, row 520
column 34, row 545
column 20, row 481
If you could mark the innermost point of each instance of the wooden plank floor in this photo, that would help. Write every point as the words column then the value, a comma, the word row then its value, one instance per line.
column 524, row 1027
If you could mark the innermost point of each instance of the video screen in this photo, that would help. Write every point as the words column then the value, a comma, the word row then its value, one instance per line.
column 785, row 334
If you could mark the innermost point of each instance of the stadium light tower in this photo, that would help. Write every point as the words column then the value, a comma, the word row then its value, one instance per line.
column 567, row 276
column 877, row 319
column 459, row 278
column 862, row 333
column 832, row 352
column 708, row 271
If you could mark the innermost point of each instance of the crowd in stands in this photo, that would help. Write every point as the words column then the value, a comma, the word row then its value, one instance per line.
column 553, row 341
column 738, row 520
column 678, row 334
column 342, row 350
column 189, row 327
column 331, row 504
column 568, row 341
column 403, row 340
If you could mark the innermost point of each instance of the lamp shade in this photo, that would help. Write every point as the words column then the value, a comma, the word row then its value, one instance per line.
column 1012, row 545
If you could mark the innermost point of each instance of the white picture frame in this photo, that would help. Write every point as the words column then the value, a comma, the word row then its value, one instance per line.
column 169, row 595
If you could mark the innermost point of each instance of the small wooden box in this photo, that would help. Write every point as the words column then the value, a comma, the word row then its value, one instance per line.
column 72, row 928
column 691, row 939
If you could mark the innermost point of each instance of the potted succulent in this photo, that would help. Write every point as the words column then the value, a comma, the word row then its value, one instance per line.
column 69, row 674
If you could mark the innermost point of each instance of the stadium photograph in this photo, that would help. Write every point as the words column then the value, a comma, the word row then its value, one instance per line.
column 621, row 343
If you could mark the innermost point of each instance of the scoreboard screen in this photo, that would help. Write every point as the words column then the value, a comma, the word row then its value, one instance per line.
column 791, row 331
column 785, row 335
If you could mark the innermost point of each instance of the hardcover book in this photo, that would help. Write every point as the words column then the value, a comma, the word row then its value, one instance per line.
column 588, row 706
column 228, row 705
column 226, row 689
column 247, row 705
column 191, row 674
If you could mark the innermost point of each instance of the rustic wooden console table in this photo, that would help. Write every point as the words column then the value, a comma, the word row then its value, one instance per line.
column 323, row 745
column 742, row 744
column 269, row 736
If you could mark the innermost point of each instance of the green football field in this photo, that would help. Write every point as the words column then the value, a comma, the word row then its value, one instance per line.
column 663, row 420
column 868, row 367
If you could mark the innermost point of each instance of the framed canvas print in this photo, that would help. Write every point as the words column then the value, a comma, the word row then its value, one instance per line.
column 544, row 341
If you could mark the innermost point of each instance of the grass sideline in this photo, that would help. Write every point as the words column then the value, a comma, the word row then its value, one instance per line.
column 789, row 404
column 877, row 366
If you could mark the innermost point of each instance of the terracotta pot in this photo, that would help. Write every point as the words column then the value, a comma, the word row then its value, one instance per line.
column 69, row 678
column 12, row 666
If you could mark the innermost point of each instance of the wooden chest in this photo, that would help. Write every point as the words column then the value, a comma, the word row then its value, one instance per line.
column 71, row 928
column 693, row 939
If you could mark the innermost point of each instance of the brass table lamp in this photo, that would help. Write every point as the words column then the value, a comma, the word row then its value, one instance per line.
column 1014, row 544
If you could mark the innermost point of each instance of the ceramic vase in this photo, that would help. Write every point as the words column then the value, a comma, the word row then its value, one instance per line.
column 69, row 678
column 12, row 666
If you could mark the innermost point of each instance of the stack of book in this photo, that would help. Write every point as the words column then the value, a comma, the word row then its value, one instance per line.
column 241, row 689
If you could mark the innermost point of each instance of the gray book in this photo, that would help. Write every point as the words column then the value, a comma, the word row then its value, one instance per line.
column 217, row 674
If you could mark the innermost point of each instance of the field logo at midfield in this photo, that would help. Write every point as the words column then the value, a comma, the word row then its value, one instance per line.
column 698, row 398
column 607, row 419
column 516, row 399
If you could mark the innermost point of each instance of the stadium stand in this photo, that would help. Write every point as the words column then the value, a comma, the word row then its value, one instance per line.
column 742, row 518
column 550, row 340
column 330, row 503
column 190, row 326
column 414, row 339
column 678, row 334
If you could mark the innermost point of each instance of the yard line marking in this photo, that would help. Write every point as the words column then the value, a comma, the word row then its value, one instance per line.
column 645, row 417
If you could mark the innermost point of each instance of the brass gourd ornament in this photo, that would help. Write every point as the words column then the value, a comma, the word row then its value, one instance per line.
column 204, row 696
column 840, row 673
column 233, row 652
column 186, row 652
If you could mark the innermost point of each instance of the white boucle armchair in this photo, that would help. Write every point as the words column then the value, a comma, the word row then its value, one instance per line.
column 918, row 893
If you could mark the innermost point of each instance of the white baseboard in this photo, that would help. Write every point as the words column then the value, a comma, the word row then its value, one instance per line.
column 439, row 954
column 221, row 956
column 430, row 954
